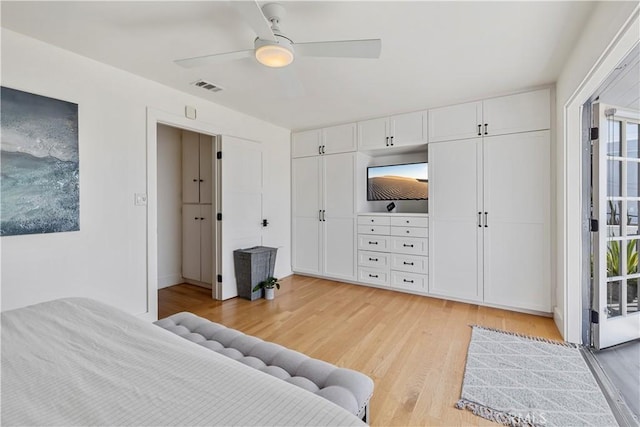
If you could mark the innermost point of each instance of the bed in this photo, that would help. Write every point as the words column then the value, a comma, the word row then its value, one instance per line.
column 76, row 361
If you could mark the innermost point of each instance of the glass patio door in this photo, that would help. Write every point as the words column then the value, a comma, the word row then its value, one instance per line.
column 616, row 205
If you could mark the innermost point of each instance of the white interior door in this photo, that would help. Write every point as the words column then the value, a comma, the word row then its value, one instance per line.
column 616, row 203
column 241, row 204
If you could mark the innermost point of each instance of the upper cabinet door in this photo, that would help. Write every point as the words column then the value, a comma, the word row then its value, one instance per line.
column 339, row 139
column 455, row 122
column 373, row 134
column 305, row 144
column 523, row 112
column 407, row 129
column 206, row 168
column 190, row 167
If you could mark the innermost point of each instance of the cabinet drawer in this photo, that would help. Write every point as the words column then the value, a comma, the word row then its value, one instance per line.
column 409, row 221
column 373, row 275
column 412, row 281
column 373, row 229
column 410, row 263
column 410, row 231
column 410, row 245
column 374, row 243
column 373, row 220
column 373, row 259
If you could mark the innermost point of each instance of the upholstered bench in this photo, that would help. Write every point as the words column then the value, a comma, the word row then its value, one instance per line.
column 344, row 387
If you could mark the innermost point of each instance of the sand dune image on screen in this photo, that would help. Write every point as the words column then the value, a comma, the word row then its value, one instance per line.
column 397, row 188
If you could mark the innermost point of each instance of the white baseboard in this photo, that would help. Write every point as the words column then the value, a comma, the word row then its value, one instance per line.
column 558, row 318
column 166, row 281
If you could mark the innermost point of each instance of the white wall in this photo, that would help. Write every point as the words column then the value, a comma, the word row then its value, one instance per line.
column 596, row 41
column 107, row 258
column 169, row 206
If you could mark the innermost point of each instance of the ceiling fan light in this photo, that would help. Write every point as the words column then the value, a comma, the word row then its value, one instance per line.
column 274, row 55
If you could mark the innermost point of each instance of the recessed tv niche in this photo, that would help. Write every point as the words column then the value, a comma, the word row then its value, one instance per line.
column 408, row 181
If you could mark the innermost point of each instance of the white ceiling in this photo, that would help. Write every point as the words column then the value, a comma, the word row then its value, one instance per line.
column 433, row 53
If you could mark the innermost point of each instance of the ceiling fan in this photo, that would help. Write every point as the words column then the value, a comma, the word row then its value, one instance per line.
column 272, row 48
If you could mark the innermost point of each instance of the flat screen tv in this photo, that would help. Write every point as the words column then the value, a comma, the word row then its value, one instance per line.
column 408, row 181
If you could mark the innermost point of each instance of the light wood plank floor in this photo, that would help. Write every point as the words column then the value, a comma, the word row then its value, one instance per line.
column 413, row 347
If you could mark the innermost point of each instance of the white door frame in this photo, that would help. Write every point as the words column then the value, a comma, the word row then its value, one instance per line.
column 571, row 176
column 155, row 117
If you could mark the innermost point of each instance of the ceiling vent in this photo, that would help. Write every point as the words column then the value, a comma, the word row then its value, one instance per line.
column 207, row 85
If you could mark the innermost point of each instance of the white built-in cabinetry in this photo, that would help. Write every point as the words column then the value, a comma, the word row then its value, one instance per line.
column 490, row 203
column 486, row 237
column 393, row 250
column 331, row 140
column 197, row 211
column 394, row 131
column 323, row 208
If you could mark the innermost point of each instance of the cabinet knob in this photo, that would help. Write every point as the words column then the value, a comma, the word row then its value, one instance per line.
column 195, row 180
column 373, row 229
column 408, row 231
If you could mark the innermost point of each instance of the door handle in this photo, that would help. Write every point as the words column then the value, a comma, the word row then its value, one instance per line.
column 387, row 141
column 320, row 215
column 319, row 149
column 392, row 141
column 323, row 214
column 486, row 219
column 479, row 219
column 479, row 130
column 323, row 149
column 265, row 222
column 486, row 125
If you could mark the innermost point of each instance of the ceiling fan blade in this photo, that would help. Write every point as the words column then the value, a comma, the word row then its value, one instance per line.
column 199, row 61
column 253, row 15
column 343, row 49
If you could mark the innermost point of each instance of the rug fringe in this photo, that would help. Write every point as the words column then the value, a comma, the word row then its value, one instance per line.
column 499, row 417
column 530, row 337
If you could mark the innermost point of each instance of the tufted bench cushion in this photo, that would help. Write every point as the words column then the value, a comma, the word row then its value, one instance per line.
column 344, row 387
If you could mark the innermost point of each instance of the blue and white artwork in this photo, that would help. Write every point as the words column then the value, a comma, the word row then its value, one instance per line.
column 39, row 165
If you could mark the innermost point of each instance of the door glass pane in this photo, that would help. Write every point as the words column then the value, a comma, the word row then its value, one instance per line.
column 613, row 258
column 632, row 140
column 613, row 218
column 633, row 208
column 632, row 179
column 614, row 184
column 613, row 298
column 632, row 247
column 632, row 295
column 614, row 147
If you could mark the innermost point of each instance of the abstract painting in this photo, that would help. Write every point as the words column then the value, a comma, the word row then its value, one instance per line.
column 39, row 164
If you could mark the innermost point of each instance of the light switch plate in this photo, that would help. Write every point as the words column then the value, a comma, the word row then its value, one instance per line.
column 140, row 199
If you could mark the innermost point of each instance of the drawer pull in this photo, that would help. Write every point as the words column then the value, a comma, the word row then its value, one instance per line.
column 373, row 229
column 375, row 276
column 373, row 259
column 373, row 220
column 373, row 243
column 406, row 246
column 407, row 263
column 407, row 281
column 408, row 231
column 407, row 221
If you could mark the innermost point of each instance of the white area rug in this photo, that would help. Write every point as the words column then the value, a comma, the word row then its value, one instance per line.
column 524, row 381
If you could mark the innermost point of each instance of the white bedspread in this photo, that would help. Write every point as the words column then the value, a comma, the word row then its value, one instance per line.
column 79, row 362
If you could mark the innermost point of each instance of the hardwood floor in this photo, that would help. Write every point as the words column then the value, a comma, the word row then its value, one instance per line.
column 413, row 347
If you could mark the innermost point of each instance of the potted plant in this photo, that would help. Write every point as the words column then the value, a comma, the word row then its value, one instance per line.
column 268, row 285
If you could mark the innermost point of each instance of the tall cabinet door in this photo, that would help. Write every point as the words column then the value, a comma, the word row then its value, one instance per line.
column 191, row 242
column 190, row 167
column 306, row 214
column 455, row 232
column 206, row 168
column 339, row 252
column 517, row 237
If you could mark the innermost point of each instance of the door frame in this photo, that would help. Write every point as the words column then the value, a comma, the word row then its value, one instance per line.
column 571, row 238
column 154, row 118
